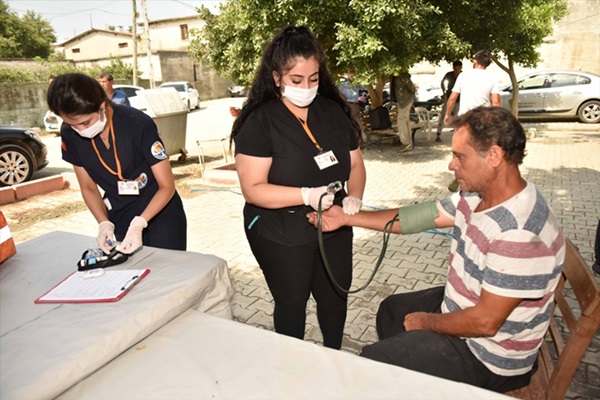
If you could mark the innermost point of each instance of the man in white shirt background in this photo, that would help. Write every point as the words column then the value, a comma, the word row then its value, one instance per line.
column 476, row 87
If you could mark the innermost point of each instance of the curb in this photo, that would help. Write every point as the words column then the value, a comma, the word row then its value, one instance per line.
column 25, row 190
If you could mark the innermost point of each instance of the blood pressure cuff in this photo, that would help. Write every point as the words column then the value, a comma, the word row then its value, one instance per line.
column 107, row 260
column 418, row 217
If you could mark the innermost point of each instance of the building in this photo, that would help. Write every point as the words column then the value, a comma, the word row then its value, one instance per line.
column 162, row 53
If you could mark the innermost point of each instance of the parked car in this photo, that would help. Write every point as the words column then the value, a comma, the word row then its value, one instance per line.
column 131, row 92
column 236, row 91
column 52, row 122
column 557, row 93
column 21, row 154
column 189, row 95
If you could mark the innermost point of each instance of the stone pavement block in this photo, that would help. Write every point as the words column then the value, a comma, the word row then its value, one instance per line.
column 356, row 330
column 261, row 319
column 263, row 305
column 240, row 313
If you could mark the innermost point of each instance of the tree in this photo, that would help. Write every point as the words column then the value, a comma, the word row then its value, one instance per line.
column 373, row 39
column 512, row 30
column 27, row 37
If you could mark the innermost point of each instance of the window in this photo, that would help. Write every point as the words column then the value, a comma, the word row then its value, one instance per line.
column 123, row 45
column 76, row 50
column 184, row 31
column 534, row 82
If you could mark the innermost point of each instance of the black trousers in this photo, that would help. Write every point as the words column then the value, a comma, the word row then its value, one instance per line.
column 294, row 272
column 426, row 351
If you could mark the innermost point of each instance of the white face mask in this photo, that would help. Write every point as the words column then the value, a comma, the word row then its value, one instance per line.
column 299, row 96
column 95, row 129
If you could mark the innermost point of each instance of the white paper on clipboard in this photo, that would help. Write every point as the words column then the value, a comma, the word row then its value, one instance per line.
column 111, row 286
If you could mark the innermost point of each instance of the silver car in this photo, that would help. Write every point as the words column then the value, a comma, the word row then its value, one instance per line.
column 558, row 94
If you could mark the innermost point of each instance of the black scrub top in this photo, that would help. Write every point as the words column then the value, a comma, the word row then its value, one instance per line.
column 138, row 146
column 272, row 130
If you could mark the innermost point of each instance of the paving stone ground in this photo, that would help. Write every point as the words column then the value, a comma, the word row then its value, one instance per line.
column 563, row 161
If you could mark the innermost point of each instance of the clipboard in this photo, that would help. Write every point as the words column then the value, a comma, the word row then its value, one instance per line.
column 111, row 286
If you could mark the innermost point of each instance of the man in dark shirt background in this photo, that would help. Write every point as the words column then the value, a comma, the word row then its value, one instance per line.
column 117, row 96
column 447, row 84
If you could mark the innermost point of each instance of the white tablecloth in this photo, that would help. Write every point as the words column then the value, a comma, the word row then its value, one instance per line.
column 198, row 356
column 46, row 348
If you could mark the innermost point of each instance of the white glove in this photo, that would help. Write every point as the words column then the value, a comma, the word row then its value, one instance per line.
column 352, row 205
column 106, row 236
column 311, row 196
column 133, row 238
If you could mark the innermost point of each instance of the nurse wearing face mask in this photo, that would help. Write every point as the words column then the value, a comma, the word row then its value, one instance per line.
column 293, row 137
column 118, row 149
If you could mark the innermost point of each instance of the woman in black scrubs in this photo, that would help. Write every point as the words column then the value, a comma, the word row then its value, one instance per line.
column 293, row 137
column 118, row 148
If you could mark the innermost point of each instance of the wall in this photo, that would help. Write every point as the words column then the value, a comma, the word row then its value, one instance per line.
column 23, row 104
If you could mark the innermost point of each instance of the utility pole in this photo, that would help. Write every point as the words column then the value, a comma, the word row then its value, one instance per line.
column 148, row 47
column 134, row 36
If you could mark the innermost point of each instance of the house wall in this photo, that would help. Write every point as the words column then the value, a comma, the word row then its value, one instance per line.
column 99, row 45
column 166, row 34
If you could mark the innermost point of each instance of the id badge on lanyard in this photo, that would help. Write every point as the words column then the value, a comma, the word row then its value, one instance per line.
column 326, row 159
column 128, row 188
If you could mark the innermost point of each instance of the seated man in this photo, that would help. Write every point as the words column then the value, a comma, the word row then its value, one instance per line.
column 486, row 325
column 117, row 96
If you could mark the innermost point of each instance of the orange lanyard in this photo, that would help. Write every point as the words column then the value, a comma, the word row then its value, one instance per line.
column 114, row 144
column 309, row 133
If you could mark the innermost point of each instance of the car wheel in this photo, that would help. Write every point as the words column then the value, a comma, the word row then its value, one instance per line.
column 589, row 112
column 16, row 165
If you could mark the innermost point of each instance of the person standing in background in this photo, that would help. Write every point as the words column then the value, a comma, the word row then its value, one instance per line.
column 447, row 84
column 117, row 96
column 403, row 93
column 477, row 87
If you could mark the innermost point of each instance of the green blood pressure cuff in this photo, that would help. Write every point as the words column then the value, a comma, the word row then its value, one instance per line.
column 418, row 217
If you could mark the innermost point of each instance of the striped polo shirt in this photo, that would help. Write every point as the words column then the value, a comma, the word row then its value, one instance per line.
column 517, row 250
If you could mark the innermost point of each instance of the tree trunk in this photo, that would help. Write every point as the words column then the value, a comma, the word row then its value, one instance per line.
column 510, row 70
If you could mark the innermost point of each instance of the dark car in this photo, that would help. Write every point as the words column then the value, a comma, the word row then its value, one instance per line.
column 21, row 154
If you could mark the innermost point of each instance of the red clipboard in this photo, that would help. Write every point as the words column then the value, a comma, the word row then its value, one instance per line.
column 111, row 286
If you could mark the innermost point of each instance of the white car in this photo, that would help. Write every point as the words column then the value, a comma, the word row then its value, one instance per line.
column 557, row 94
column 52, row 122
column 189, row 95
column 131, row 92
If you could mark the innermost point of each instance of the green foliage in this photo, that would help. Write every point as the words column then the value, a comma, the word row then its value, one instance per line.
column 27, row 37
column 377, row 38
column 374, row 39
column 17, row 75
column 117, row 68
column 511, row 29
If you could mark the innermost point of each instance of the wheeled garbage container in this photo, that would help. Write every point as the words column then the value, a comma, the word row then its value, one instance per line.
column 170, row 116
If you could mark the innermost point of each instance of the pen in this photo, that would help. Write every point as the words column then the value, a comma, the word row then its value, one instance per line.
column 129, row 284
